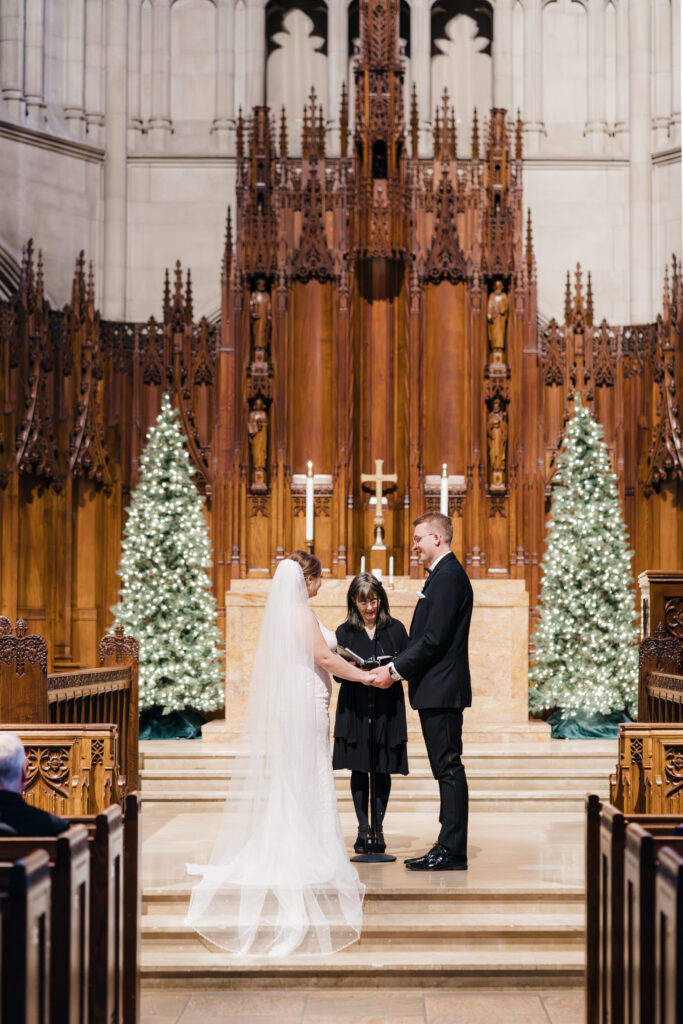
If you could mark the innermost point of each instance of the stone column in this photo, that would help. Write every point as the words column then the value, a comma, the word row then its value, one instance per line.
column 12, row 56
column 640, row 171
column 533, row 72
column 421, row 70
column 34, row 27
column 114, row 184
column 596, row 125
column 621, row 123
column 74, row 111
column 675, row 138
column 160, row 117
column 662, row 72
column 225, row 72
column 255, row 55
column 337, row 56
column 502, row 55
column 94, row 69
column 135, row 67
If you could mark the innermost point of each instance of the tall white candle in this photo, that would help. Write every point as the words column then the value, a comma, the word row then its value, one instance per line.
column 443, row 497
column 362, row 563
column 309, row 504
column 391, row 570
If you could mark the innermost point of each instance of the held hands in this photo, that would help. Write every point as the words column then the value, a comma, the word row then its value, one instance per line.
column 382, row 679
column 368, row 678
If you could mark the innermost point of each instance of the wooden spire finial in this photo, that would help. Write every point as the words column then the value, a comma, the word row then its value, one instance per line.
column 518, row 137
column 414, row 122
column 475, row 136
column 589, row 300
column 188, row 297
column 283, row 134
column 344, row 122
column 167, row 296
column 568, row 300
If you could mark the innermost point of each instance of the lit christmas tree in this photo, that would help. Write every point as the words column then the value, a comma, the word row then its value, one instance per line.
column 165, row 599
column 586, row 639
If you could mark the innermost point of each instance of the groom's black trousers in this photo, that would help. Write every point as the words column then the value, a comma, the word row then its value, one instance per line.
column 442, row 730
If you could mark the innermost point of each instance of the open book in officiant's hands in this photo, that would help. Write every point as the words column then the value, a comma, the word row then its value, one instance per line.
column 365, row 663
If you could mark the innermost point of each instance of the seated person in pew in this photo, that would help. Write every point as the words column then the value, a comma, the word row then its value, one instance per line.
column 15, row 813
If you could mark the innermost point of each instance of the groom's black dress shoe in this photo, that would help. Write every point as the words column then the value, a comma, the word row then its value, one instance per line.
column 414, row 860
column 438, row 859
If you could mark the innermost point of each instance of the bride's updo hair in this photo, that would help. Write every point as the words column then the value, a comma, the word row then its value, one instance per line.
column 310, row 565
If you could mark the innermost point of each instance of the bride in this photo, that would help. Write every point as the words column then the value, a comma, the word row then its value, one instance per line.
column 279, row 879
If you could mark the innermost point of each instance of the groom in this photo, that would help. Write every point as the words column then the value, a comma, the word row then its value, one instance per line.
column 437, row 667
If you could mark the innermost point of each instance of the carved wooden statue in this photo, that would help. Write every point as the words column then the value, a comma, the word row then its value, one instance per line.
column 257, row 428
column 260, row 311
column 497, row 317
column 497, row 437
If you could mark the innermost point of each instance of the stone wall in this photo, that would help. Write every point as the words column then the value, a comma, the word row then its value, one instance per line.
column 117, row 128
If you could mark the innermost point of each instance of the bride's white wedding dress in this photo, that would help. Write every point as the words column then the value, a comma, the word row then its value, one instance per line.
column 279, row 879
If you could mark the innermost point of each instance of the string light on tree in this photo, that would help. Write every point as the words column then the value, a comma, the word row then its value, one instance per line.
column 165, row 598
column 586, row 639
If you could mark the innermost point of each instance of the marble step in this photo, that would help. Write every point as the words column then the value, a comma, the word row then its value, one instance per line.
column 418, row 897
column 582, row 779
column 436, row 932
column 470, row 968
column 568, row 799
column 193, row 754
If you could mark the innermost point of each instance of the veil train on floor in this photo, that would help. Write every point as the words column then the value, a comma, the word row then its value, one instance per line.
column 279, row 880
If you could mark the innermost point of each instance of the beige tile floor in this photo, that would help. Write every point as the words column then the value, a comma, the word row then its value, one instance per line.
column 365, row 1006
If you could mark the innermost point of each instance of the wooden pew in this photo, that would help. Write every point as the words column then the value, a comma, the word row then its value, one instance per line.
column 640, row 869
column 110, row 859
column 130, row 895
column 69, row 857
column 605, row 852
column 25, row 894
column 669, row 937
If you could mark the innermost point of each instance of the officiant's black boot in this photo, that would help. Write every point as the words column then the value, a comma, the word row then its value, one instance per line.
column 361, row 843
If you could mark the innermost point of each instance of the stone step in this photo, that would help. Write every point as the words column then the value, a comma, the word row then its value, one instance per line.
column 568, row 799
column 438, row 932
column 419, row 899
column 470, row 968
column 158, row 755
column 421, row 779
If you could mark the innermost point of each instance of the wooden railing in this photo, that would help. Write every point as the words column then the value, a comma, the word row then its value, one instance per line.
column 649, row 774
column 82, row 700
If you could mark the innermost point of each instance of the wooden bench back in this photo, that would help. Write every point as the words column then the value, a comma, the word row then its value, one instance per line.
column 69, row 856
column 640, row 854
column 25, row 895
column 605, row 936
column 669, row 937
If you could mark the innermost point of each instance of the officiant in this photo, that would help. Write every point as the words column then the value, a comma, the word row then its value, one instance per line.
column 369, row 631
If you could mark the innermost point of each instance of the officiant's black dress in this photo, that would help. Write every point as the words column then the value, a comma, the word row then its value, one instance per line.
column 352, row 723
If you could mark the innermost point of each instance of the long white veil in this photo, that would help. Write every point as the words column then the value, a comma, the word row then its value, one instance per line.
column 279, row 879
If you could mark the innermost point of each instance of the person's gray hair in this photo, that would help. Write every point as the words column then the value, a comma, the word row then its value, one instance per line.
column 12, row 760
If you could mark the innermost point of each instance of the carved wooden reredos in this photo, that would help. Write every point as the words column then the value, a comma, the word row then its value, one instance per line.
column 374, row 306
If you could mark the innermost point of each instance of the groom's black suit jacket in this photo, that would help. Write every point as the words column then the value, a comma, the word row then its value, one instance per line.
column 435, row 663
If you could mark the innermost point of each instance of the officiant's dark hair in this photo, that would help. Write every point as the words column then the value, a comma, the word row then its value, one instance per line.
column 311, row 565
column 365, row 586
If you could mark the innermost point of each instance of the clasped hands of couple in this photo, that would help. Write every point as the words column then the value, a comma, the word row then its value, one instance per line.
column 379, row 678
